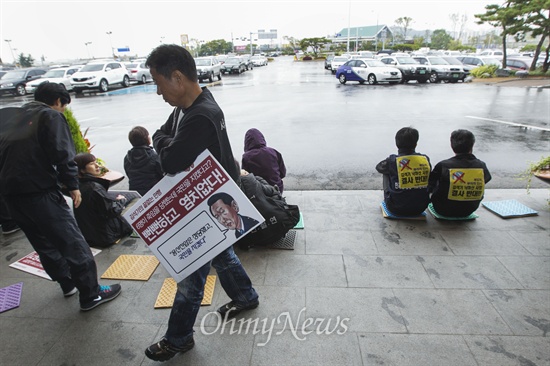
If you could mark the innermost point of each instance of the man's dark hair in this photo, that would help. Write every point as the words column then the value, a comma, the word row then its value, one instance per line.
column 225, row 197
column 406, row 138
column 167, row 58
column 139, row 136
column 462, row 141
column 49, row 92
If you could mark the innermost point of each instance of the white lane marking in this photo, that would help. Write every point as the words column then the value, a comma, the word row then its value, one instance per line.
column 510, row 123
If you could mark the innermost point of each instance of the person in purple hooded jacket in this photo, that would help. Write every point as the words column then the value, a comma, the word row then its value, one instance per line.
column 262, row 160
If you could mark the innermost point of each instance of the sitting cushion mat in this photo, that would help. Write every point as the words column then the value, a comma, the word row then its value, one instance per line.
column 509, row 209
column 388, row 215
column 441, row 217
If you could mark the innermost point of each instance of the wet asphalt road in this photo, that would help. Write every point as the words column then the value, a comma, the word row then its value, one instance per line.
column 332, row 135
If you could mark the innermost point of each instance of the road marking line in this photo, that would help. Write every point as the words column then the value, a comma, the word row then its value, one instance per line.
column 510, row 123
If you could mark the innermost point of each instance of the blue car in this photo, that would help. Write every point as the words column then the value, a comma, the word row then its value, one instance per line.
column 367, row 70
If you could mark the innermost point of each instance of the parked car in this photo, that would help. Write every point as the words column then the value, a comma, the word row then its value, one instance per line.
column 247, row 62
column 367, row 70
column 338, row 61
column 409, row 67
column 455, row 61
column 441, row 69
column 233, row 65
column 139, row 72
column 61, row 76
column 328, row 61
column 519, row 63
column 14, row 81
column 208, row 67
column 492, row 53
column 100, row 75
column 259, row 60
column 476, row 61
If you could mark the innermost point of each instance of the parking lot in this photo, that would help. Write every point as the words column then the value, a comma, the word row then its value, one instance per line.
column 332, row 135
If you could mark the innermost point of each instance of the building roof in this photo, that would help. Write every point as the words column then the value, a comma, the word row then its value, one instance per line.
column 365, row 32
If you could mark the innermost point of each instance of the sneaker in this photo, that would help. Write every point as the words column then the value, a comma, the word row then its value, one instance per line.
column 106, row 293
column 232, row 309
column 67, row 286
column 163, row 351
column 10, row 229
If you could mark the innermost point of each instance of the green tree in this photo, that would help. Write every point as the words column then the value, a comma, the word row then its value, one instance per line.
column 440, row 39
column 314, row 43
column 533, row 18
column 215, row 47
column 505, row 18
column 25, row 61
column 404, row 24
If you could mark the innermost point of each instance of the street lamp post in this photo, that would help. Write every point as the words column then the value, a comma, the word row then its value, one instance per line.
column 111, row 43
column 11, row 50
column 87, row 49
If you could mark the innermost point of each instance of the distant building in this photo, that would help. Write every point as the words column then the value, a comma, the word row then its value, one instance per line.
column 381, row 33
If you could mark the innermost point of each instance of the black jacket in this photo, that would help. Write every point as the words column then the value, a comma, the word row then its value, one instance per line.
column 36, row 150
column 98, row 215
column 142, row 167
column 440, row 183
column 404, row 202
column 189, row 132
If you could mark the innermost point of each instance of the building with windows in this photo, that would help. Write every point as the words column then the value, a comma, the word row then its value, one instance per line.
column 371, row 33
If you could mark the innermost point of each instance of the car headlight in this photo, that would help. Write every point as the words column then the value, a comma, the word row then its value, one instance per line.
column 446, row 69
column 386, row 72
column 413, row 69
column 92, row 77
column 7, row 85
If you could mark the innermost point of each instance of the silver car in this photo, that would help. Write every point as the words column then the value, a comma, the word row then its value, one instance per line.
column 139, row 72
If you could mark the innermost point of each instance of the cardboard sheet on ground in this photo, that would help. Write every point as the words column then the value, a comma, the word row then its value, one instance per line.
column 175, row 221
column 132, row 267
column 10, row 297
column 31, row 264
column 165, row 298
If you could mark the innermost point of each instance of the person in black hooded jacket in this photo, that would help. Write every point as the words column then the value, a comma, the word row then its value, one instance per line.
column 141, row 163
column 98, row 216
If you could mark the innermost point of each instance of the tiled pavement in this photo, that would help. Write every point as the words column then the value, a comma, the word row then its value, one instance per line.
column 357, row 289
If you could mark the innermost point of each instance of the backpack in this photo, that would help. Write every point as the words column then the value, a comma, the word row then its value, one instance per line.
column 279, row 216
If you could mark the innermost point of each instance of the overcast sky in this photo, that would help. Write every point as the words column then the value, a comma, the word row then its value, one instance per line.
column 60, row 29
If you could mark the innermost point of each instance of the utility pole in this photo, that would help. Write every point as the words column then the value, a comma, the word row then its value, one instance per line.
column 11, row 50
column 87, row 49
column 111, row 42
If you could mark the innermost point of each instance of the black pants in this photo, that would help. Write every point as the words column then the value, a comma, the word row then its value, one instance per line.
column 50, row 227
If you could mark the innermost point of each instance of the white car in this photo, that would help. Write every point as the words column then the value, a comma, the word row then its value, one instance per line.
column 207, row 68
column 61, row 75
column 258, row 60
column 99, row 75
column 367, row 70
column 441, row 69
column 138, row 71
column 338, row 61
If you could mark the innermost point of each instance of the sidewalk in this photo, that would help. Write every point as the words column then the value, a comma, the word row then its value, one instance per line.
column 398, row 292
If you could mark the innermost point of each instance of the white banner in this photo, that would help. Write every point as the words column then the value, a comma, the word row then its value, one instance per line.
column 189, row 218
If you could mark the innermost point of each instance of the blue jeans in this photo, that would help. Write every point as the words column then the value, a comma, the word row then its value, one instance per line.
column 234, row 280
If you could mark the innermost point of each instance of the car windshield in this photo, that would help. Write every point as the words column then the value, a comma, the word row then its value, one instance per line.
column 374, row 63
column 14, row 75
column 203, row 62
column 438, row 61
column 256, row 58
column 93, row 67
column 407, row 60
column 54, row 74
column 340, row 59
column 232, row 61
column 130, row 66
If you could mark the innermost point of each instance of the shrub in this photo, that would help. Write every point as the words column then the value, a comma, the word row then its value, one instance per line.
column 81, row 144
column 485, row 71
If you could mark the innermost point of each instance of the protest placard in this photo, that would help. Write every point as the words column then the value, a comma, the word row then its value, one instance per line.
column 176, row 221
